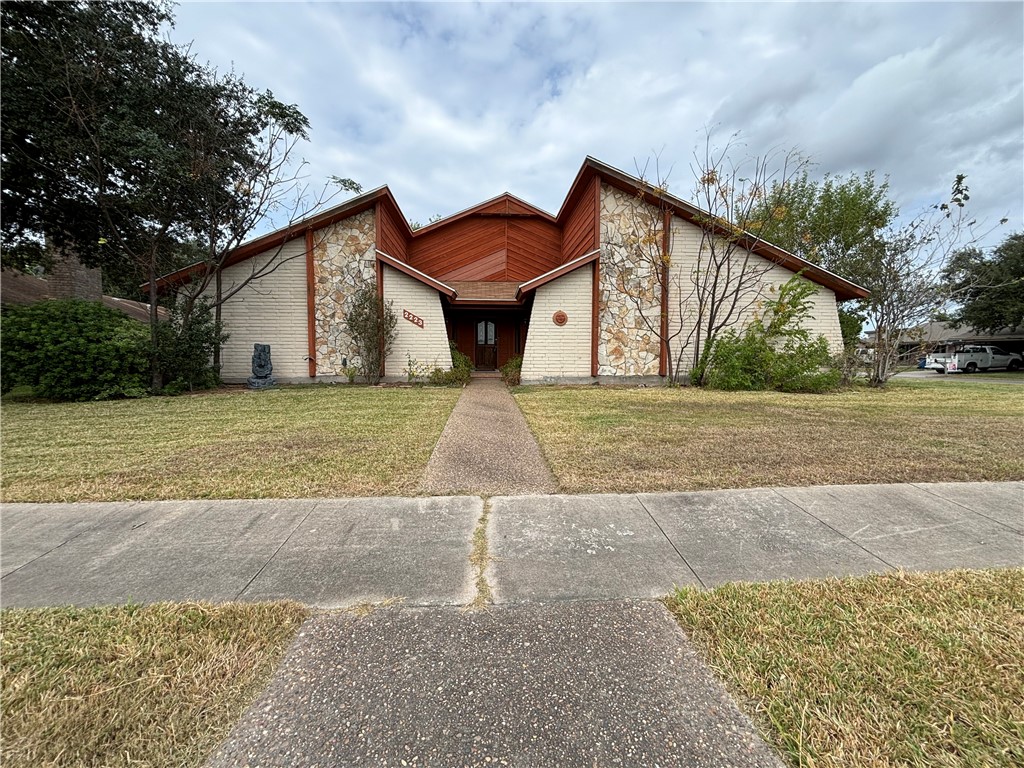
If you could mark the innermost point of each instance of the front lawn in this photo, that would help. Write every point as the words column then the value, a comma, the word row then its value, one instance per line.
column 159, row 685
column 606, row 439
column 888, row 670
column 290, row 442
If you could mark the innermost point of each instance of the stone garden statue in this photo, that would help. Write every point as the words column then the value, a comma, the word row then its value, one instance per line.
column 261, row 367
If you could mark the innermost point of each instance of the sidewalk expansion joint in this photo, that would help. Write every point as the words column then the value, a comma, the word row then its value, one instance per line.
column 480, row 559
column 276, row 551
column 671, row 543
column 857, row 544
column 964, row 506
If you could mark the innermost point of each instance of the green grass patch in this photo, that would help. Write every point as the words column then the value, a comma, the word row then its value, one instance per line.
column 606, row 439
column 159, row 685
column 888, row 670
column 292, row 442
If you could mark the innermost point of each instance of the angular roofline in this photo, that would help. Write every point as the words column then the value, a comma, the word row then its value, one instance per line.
column 843, row 288
column 292, row 231
column 557, row 272
column 414, row 273
column 474, row 209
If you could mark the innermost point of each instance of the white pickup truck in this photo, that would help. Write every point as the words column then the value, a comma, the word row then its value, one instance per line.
column 971, row 358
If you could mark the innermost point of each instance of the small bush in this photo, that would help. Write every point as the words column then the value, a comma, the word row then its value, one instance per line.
column 371, row 321
column 459, row 374
column 460, row 361
column 185, row 350
column 775, row 351
column 75, row 350
column 511, row 371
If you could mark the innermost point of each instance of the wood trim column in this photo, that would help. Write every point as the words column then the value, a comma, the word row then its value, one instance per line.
column 595, row 311
column 595, row 324
column 666, row 231
column 310, row 306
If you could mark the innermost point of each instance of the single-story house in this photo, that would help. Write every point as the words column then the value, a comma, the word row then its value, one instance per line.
column 500, row 279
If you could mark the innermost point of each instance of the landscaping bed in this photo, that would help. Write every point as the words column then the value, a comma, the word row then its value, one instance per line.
column 159, row 685
column 888, row 670
column 618, row 439
column 291, row 442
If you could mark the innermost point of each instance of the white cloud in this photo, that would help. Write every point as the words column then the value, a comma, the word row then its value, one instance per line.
column 450, row 104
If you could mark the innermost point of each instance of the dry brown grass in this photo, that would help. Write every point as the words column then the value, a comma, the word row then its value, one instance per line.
column 890, row 670
column 480, row 559
column 288, row 443
column 159, row 685
column 601, row 439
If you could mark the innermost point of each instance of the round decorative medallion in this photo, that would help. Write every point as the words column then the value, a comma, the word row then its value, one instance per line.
column 560, row 318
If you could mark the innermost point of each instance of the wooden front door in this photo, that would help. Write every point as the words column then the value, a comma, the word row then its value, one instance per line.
column 486, row 346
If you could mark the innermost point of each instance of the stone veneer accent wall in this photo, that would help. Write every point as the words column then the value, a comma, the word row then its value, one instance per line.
column 625, row 345
column 344, row 259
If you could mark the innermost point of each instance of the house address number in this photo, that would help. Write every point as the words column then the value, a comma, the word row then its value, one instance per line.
column 414, row 319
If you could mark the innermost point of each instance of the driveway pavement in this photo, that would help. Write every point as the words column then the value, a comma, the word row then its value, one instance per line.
column 333, row 553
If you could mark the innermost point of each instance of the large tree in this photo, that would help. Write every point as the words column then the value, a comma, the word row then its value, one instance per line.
column 124, row 148
column 832, row 222
column 989, row 288
column 850, row 226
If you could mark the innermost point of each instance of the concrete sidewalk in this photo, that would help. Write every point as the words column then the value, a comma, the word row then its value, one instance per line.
column 333, row 553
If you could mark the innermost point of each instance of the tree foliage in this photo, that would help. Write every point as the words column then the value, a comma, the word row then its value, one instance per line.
column 123, row 148
column 775, row 350
column 371, row 323
column 989, row 289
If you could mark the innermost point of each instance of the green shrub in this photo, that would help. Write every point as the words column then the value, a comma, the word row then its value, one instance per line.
column 459, row 374
column 461, row 362
column 511, row 371
column 371, row 321
column 185, row 350
column 774, row 351
column 74, row 350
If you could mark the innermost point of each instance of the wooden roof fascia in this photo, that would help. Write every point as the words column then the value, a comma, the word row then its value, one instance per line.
column 843, row 288
column 576, row 189
column 279, row 237
column 557, row 272
column 414, row 273
column 467, row 212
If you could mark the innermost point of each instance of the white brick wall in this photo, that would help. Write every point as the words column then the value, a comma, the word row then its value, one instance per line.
column 427, row 345
column 554, row 351
column 271, row 310
column 684, row 248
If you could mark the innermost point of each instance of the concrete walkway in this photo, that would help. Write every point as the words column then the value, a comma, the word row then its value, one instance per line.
column 333, row 553
column 561, row 685
column 486, row 447
column 561, row 671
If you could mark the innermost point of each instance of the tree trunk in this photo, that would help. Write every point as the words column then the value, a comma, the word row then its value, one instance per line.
column 216, row 318
column 156, row 377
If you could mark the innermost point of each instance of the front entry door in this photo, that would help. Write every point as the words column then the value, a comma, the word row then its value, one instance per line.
column 486, row 346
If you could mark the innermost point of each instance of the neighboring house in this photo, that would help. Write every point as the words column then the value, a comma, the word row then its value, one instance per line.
column 500, row 279
column 68, row 279
column 936, row 336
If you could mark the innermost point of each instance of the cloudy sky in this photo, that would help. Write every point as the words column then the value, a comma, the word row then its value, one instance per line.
column 453, row 103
